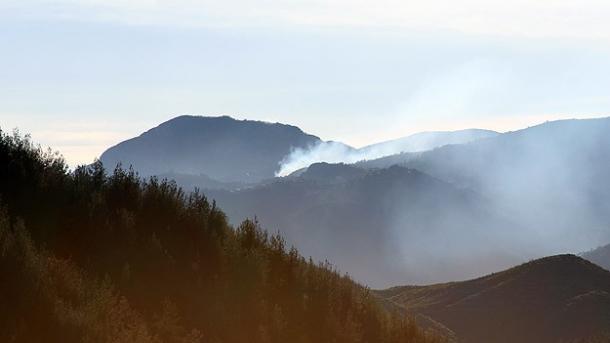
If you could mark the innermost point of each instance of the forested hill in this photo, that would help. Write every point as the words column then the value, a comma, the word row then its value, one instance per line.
column 561, row 298
column 86, row 257
column 385, row 227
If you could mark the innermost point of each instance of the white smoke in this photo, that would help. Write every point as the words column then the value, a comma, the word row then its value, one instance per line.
column 333, row 152
column 471, row 88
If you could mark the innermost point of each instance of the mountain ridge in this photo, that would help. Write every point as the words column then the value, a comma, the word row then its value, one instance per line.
column 427, row 140
column 571, row 295
column 599, row 256
column 223, row 148
column 346, row 214
column 252, row 150
column 552, row 177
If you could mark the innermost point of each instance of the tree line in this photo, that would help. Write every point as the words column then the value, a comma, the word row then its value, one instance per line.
column 95, row 256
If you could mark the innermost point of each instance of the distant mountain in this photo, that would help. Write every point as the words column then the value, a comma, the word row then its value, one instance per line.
column 552, row 178
column 399, row 159
column 191, row 182
column 385, row 226
column 219, row 152
column 531, row 193
column 332, row 173
column 423, row 141
column 334, row 152
column 221, row 148
column 399, row 151
column 89, row 257
column 599, row 256
column 555, row 299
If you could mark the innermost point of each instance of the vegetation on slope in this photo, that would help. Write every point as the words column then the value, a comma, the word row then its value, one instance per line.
column 349, row 215
column 96, row 258
column 560, row 298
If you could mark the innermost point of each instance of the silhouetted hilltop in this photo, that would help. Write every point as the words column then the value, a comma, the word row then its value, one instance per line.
column 223, row 148
column 220, row 152
column 553, row 299
column 599, row 256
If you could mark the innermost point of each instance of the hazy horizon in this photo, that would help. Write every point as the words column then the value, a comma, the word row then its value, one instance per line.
column 84, row 76
column 423, row 171
column 83, row 146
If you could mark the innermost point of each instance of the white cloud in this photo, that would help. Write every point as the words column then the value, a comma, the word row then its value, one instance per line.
column 541, row 18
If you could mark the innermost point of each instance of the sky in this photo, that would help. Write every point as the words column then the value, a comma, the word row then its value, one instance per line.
column 81, row 76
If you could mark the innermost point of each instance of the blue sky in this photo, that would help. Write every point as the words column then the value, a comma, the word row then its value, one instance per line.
column 83, row 75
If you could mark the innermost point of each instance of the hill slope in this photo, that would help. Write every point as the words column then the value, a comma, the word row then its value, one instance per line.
column 86, row 257
column 423, row 141
column 385, row 226
column 221, row 148
column 334, row 152
column 558, row 298
column 552, row 178
column 599, row 256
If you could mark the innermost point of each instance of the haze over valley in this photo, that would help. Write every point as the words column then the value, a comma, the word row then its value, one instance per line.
column 414, row 216
column 413, row 210
column 196, row 171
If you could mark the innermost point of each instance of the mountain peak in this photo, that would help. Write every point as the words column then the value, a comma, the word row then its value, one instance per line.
column 220, row 121
column 224, row 148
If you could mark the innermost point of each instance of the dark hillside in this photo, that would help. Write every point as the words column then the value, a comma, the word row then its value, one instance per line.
column 223, row 148
column 384, row 227
column 554, row 299
column 86, row 257
column 599, row 256
column 551, row 178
